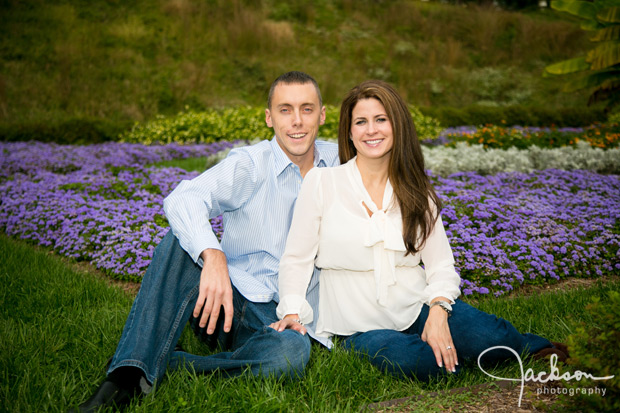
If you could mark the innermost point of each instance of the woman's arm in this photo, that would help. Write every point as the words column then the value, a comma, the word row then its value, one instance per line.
column 297, row 262
column 443, row 284
column 442, row 279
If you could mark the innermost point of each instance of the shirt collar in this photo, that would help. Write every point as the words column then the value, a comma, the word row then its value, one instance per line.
column 281, row 161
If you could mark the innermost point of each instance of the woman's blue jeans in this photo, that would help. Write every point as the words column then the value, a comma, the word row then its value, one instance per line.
column 166, row 302
column 404, row 354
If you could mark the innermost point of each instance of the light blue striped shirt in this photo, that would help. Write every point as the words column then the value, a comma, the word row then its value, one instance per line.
column 254, row 189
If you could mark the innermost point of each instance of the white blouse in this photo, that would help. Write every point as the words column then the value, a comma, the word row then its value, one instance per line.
column 366, row 282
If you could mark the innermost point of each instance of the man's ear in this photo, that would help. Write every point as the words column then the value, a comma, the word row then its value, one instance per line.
column 322, row 118
column 268, row 118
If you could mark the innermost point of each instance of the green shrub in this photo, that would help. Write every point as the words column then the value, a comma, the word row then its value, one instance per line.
column 201, row 127
column 69, row 131
column 515, row 115
column 329, row 130
column 594, row 350
column 519, row 115
column 482, row 115
column 427, row 127
column 240, row 123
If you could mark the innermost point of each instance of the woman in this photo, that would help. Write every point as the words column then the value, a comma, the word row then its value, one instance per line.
column 369, row 224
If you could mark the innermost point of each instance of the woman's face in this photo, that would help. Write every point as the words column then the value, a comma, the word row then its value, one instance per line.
column 371, row 130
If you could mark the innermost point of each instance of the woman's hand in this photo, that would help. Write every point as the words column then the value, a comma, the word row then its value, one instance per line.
column 289, row 322
column 437, row 334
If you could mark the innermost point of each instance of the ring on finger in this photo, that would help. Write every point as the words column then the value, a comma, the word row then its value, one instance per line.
column 449, row 348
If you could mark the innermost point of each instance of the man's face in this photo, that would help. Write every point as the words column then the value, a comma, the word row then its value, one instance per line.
column 295, row 115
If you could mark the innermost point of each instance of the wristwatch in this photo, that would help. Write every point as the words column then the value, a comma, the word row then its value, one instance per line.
column 443, row 304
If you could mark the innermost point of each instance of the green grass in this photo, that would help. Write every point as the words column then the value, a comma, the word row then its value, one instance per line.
column 189, row 164
column 128, row 61
column 60, row 324
column 58, row 327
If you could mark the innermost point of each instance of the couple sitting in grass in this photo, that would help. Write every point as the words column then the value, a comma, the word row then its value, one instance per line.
column 367, row 224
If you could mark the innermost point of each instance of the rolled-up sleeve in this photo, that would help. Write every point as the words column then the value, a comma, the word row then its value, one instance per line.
column 297, row 262
column 224, row 187
column 441, row 276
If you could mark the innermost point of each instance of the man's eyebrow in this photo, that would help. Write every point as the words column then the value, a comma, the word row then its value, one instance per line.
column 281, row 105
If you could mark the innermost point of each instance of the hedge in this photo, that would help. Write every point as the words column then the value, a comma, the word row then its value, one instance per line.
column 68, row 131
column 515, row 115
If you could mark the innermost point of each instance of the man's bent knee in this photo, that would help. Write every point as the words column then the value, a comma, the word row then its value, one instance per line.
column 289, row 353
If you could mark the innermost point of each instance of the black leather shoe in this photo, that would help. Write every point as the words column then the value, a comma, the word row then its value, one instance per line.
column 562, row 347
column 546, row 353
column 107, row 395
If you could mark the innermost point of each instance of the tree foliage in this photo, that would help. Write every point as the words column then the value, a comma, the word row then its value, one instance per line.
column 599, row 69
column 504, row 4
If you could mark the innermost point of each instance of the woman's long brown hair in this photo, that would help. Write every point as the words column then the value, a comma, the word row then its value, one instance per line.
column 412, row 186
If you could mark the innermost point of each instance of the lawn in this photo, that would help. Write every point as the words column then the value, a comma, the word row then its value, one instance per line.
column 61, row 323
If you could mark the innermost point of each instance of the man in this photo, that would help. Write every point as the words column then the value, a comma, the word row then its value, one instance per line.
column 192, row 275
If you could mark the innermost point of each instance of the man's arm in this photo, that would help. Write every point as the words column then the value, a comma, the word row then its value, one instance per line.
column 215, row 291
column 224, row 187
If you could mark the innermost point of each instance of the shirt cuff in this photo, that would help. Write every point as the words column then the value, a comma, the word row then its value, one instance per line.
column 295, row 304
column 430, row 299
column 201, row 242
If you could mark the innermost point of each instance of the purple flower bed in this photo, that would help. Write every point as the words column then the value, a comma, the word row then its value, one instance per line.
column 514, row 228
column 103, row 204
column 99, row 203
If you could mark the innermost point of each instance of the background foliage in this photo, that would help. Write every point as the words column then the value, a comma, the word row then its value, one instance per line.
column 594, row 349
column 599, row 69
column 125, row 61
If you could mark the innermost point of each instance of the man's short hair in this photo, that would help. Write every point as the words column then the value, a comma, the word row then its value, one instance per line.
column 294, row 77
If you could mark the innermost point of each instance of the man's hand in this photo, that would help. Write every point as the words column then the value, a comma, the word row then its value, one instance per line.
column 289, row 322
column 215, row 291
column 437, row 334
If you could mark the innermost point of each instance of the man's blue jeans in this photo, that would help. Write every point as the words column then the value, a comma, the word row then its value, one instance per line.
column 166, row 302
column 404, row 354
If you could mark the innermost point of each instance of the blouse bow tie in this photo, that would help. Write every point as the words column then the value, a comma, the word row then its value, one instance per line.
column 385, row 239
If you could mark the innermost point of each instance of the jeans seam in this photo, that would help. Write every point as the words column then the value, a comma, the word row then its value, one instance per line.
column 174, row 329
column 242, row 323
column 130, row 319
